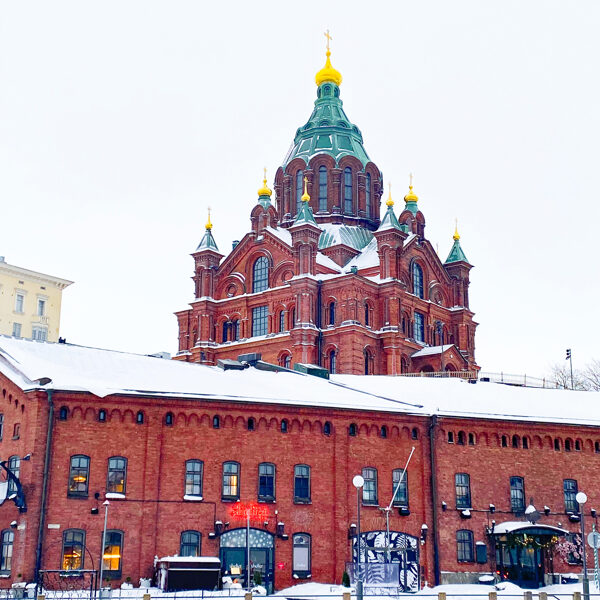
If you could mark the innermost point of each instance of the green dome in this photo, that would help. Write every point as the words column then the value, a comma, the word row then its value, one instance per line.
column 328, row 131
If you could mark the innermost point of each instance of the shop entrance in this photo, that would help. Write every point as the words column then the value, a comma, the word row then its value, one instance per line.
column 234, row 556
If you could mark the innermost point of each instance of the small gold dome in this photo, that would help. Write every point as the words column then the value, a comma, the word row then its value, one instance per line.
column 456, row 236
column 264, row 190
column 411, row 196
column 328, row 73
column 208, row 223
column 390, row 202
column 305, row 196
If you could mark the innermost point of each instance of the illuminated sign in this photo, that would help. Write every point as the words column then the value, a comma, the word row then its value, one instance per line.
column 257, row 512
column 281, row 566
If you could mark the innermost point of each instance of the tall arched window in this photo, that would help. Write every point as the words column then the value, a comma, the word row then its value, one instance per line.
column 299, row 191
column 332, row 360
column 323, row 188
column 367, row 315
column 368, row 195
column 193, row 477
column 117, row 475
column 332, row 313
column 417, row 274
column 73, row 549
column 348, row 191
column 281, row 321
column 235, row 330
column 226, row 326
column 231, row 481
column 6, row 551
column 368, row 363
column 79, row 475
column 260, row 274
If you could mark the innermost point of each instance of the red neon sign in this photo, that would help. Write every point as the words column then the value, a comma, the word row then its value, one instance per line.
column 257, row 512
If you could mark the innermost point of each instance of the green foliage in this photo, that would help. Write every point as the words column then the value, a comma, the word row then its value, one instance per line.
column 346, row 579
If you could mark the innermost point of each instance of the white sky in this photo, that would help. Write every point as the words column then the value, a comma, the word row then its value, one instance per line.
column 121, row 121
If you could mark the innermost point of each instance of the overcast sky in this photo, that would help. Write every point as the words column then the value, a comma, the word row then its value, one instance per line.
column 121, row 121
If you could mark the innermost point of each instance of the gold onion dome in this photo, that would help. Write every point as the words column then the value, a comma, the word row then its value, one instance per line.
column 328, row 73
column 264, row 190
column 390, row 202
column 411, row 196
column 456, row 235
column 305, row 196
column 208, row 223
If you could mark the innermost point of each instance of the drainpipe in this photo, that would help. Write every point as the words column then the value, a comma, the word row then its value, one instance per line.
column 434, row 500
column 319, row 325
column 40, row 540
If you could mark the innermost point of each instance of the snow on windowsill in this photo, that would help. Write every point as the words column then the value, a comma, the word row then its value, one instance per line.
column 192, row 498
column 114, row 496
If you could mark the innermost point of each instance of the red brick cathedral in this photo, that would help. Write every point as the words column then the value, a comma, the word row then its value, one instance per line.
column 322, row 278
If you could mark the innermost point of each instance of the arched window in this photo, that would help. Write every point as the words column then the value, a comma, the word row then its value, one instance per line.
column 193, row 477
column 597, row 447
column 368, row 195
column 266, row 482
column 281, row 321
column 216, row 422
column 169, row 419
column 332, row 313
column 370, row 487
column 284, row 426
column 6, row 551
column 515, row 441
column 414, row 434
column 231, row 481
column 332, row 361
column 117, row 475
column 63, row 413
column 73, row 550
column 251, row 424
column 464, row 545
column 504, row 441
column 348, row 191
column 327, row 428
column 471, row 439
column 517, row 494
column 322, row 189
column 352, row 429
column 417, row 274
column 235, row 330
column 287, row 361
column 79, row 475
column 461, row 438
column 190, row 543
column 139, row 418
column 367, row 315
column 260, row 274
column 113, row 550
column 302, row 484
column 400, row 482
column 299, row 190
column 451, row 437
column 102, row 415
column 293, row 317
column 526, row 443
column 383, row 431
column 226, row 327
column 368, row 363
column 567, row 445
column 301, row 556
column 557, row 444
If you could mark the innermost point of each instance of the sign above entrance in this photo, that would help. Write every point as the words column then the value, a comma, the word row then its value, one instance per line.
column 256, row 512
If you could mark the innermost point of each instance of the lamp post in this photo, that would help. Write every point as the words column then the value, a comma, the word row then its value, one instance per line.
column 358, row 482
column 106, row 504
column 581, row 499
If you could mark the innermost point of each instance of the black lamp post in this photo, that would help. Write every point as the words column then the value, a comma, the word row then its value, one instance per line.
column 581, row 499
column 358, row 483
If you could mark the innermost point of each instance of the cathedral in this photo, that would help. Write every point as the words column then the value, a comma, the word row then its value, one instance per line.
column 324, row 278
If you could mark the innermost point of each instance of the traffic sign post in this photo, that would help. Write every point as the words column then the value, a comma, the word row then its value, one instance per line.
column 593, row 539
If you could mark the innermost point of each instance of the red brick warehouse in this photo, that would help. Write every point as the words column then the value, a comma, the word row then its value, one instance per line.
column 321, row 278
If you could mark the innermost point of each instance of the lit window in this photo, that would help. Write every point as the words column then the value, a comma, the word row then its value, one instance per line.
column 301, row 483
column 20, row 303
column 401, row 497
column 73, row 550
column 260, row 274
column 231, row 481
column 117, row 475
column 79, row 475
column 322, row 189
column 570, row 491
column 8, row 537
column 113, row 550
column 266, row 482
column 370, row 486
column 301, row 555
column 517, row 494
column 462, row 483
column 193, row 477
column 16, row 330
column 260, row 316
column 348, row 190
column 417, row 274
column 419, row 327
column 464, row 545
column 190, row 543
column 14, row 465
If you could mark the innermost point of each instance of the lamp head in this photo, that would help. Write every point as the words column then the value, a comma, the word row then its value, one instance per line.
column 358, row 481
column 581, row 498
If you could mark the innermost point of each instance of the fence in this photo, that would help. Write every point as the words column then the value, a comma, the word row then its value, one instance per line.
column 523, row 380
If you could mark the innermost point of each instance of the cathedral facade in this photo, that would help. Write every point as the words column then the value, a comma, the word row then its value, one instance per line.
column 322, row 277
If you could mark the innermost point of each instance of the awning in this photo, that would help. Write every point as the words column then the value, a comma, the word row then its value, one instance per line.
column 525, row 527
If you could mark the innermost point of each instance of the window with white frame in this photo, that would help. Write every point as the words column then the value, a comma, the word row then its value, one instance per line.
column 39, row 334
column 20, row 302
column 41, row 307
column 301, row 555
column 16, row 330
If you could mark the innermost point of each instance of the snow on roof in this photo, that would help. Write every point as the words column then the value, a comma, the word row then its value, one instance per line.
column 429, row 350
column 106, row 372
column 282, row 233
column 325, row 261
column 510, row 526
column 367, row 258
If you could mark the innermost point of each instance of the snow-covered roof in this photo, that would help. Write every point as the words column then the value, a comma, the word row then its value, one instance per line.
column 367, row 258
column 511, row 526
column 190, row 559
column 106, row 372
column 430, row 350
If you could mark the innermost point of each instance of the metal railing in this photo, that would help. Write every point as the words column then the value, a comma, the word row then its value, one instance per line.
column 520, row 380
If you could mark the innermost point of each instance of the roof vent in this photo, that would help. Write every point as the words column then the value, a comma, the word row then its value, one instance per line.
column 251, row 358
column 312, row 370
column 228, row 364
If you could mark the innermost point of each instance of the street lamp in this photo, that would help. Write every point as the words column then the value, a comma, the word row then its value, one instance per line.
column 106, row 504
column 358, row 482
column 581, row 499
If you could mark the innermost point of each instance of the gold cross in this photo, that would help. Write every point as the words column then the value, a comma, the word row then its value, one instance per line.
column 326, row 34
column 265, row 172
column 411, row 176
column 390, row 188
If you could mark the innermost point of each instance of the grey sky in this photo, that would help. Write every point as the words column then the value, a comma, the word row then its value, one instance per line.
column 120, row 122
